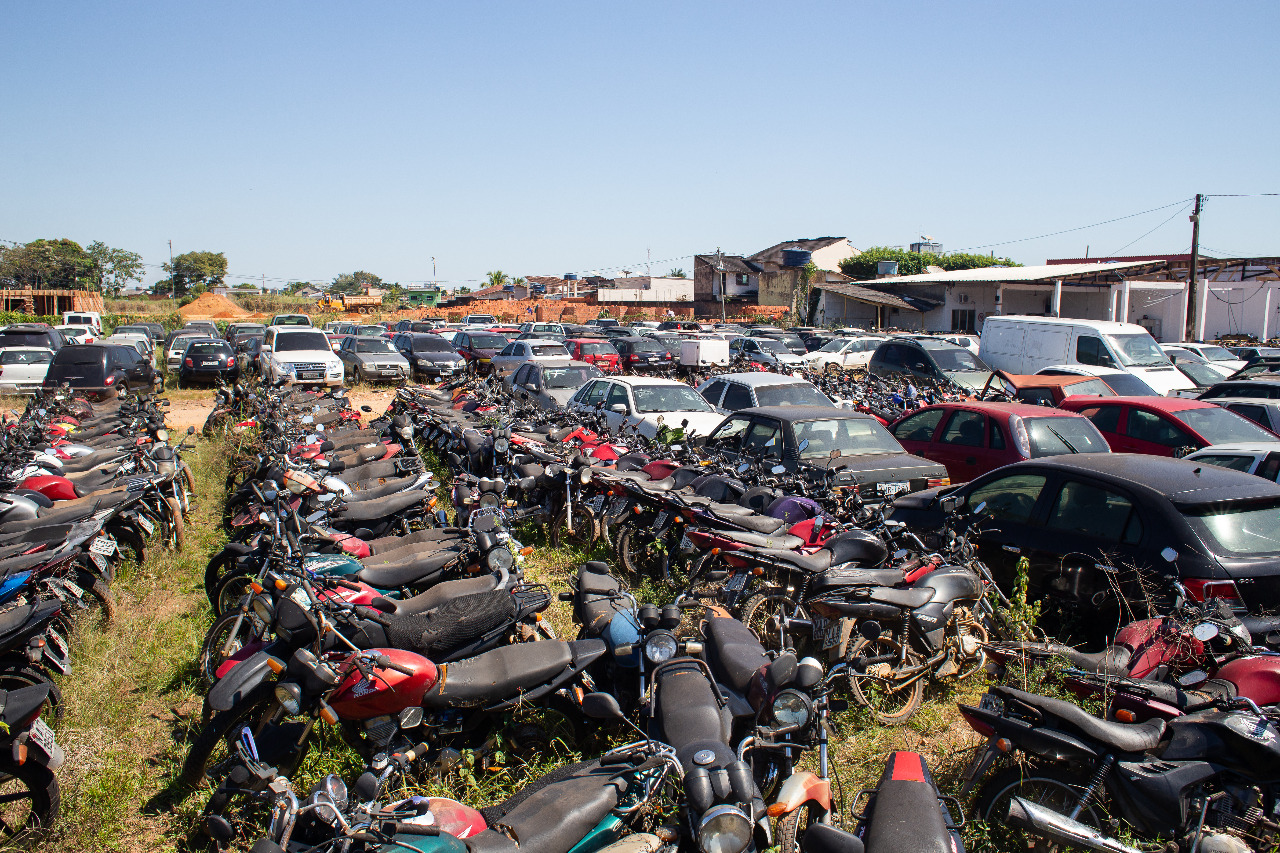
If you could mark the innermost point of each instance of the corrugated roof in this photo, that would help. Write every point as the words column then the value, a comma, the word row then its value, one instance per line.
column 1044, row 272
column 865, row 294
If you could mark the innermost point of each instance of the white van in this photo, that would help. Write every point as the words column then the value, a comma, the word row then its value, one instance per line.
column 83, row 318
column 1027, row 344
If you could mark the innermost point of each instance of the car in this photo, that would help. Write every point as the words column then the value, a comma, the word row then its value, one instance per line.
column 542, row 329
column 549, row 385
column 335, row 339
column 1264, row 413
column 1250, row 354
column 765, row 350
column 639, row 355
column 429, row 355
column 1259, row 387
column 1260, row 458
column 291, row 320
column 22, row 369
column 793, row 343
column 842, row 353
column 850, row 444
column 88, row 319
column 1212, row 353
column 508, row 332
column 157, row 331
column 1047, row 390
column 597, row 351
column 1120, row 381
column 970, row 342
column 370, row 330
column 299, row 355
column 478, row 349
column 417, row 326
column 235, row 329
column 372, row 358
column 540, row 336
column 31, row 335
column 1091, row 523
column 646, row 403
column 207, row 326
column 78, row 334
column 730, row 392
column 646, row 324
column 612, row 332
column 930, row 360
column 248, row 353
column 208, row 361
column 141, row 344
column 517, row 353
column 814, row 341
column 602, row 322
column 680, row 326
column 1164, row 426
column 972, row 438
column 177, row 346
column 670, row 340
column 100, row 370
column 144, row 329
column 480, row 320
column 1203, row 374
column 204, row 330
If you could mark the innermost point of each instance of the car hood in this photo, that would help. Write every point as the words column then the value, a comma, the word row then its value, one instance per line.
column 325, row 355
column 974, row 380
column 560, row 395
column 381, row 358
column 875, row 467
column 438, row 357
column 701, row 423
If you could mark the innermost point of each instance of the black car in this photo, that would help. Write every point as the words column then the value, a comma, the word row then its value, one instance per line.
column 31, row 335
column 794, row 345
column 1088, row 523
column 854, row 446
column 248, row 352
column 101, row 370
column 416, row 325
column 208, row 361
column 429, row 354
column 612, row 332
column 929, row 360
column 642, row 354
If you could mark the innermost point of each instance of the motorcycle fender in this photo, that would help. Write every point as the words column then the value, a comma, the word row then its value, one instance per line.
column 800, row 788
column 51, row 758
column 1057, row 745
column 242, row 678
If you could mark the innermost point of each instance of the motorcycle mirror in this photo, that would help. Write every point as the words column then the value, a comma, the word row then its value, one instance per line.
column 1205, row 631
column 808, row 673
column 601, row 706
column 326, row 446
column 1169, row 555
column 744, row 467
column 219, row 828
column 367, row 787
column 782, row 671
column 778, row 469
column 191, row 430
column 869, row 629
column 337, row 466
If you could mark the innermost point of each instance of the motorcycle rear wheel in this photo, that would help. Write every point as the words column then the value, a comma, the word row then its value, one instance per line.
column 638, row 555
column 29, row 797
column 1053, row 787
column 581, row 535
column 889, row 706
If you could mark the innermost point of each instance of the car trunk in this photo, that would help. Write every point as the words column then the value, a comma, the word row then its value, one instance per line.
column 889, row 473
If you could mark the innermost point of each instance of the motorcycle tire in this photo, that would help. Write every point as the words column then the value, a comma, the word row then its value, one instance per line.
column 131, row 545
column 100, row 605
column 30, row 797
column 219, row 565
column 255, row 710
column 177, row 526
column 893, row 708
column 791, row 828
column 16, row 675
column 581, row 535
column 638, row 556
column 760, row 610
column 1054, row 787
column 216, row 637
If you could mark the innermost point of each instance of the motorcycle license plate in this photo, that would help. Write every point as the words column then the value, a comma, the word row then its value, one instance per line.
column 686, row 544
column 827, row 633
column 145, row 524
column 661, row 521
column 104, row 545
column 596, row 503
column 99, row 561
column 616, row 506
column 73, row 588
column 736, row 582
column 59, row 644
column 43, row 737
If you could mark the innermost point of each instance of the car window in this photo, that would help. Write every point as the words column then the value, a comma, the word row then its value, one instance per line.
column 713, row 391
column 1128, row 385
column 1227, row 460
column 1037, row 396
column 920, row 426
column 1148, row 426
column 521, row 375
column 1091, row 350
column 669, row 398
column 299, row 341
column 995, row 435
column 376, row 345
column 1105, row 418
column 965, row 428
column 510, row 349
column 1257, row 414
column 1270, row 467
column 596, row 393
column 26, row 356
column 1091, row 510
column 794, row 394
column 618, row 395
column 764, row 438
column 1249, row 528
column 1009, row 498
column 1059, row 435
column 729, row 434
column 565, row 377
column 736, row 397
column 843, row 437
column 1219, row 426
column 549, row 350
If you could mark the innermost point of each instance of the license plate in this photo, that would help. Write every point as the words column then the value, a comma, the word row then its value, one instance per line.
column 104, row 545
column 211, row 363
column 891, row 489
column 72, row 588
column 661, row 521
column 59, row 644
column 616, row 506
column 686, row 544
column 827, row 633
column 596, row 503
column 736, row 582
column 99, row 561
column 145, row 524
column 309, row 374
column 43, row 736
column 390, row 373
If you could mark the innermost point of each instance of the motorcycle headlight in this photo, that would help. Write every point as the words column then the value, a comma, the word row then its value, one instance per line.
column 584, row 476
column 489, row 499
column 660, row 646
column 791, row 708
column 499, row 559
column 162, row 435
column 501, row 445
column 290, row 697
column 724, row 829
column 263, row 609
column 406, row 432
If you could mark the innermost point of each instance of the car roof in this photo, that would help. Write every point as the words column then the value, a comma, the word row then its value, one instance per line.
column 631, row 339
column 1084, row 370
column 1183, row 482
column 645, row 380
column 586, row 340
column 1035, row 380
column 757, row 378
column 1025, row 410
column 541, row 341
column 804, row 413
column 1164, row 404
column 1252, row 401
column 1240, row 447
column 1264, row 378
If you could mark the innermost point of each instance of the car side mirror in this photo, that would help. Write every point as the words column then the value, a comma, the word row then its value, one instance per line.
column 619, row 408
column 950, row 503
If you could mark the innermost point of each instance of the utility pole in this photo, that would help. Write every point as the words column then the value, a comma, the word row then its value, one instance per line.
column 170, row 269
column 1193, row 297
column 720, row 273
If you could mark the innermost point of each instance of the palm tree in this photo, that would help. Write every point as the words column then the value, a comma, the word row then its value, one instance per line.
column 496, row 278
column 676, row 273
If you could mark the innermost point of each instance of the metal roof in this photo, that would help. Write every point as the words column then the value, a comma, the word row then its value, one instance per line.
column 1041, row 273
column 860, row 293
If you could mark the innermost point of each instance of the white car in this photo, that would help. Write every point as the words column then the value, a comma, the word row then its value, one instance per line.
column 1261, row 458
column 517, row 353
column 961, row 339
column 843, row 353
column 301, row 355
column 1212, row 353
column 22, row 369
column 647, row 404
column 78, row 334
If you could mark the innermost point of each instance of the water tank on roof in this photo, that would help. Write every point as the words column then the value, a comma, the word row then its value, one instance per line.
column 571, row 276
column 796, row 257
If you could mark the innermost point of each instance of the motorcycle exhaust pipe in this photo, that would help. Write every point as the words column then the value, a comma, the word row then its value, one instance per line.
column 1058, row 827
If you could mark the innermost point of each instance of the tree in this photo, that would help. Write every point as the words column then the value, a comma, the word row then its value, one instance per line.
column 191, row 270
column 462, row 289
column 497, row 278
column 863, row 267
column 354, row 283
column 116, row 267
column 49, row 263
column 294, row 286
column 677, row 273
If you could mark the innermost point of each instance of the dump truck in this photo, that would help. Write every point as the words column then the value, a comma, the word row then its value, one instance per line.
column 349, row 304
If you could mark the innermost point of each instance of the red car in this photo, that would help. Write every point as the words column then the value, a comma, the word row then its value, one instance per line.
column 974, row 438
column 597, row 351
column 1164, row 426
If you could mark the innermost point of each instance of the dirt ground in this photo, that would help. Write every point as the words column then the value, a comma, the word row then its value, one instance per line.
column 191, row 407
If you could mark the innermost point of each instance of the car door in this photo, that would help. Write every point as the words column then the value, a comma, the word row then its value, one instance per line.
column 1157, row 434
column 916, row 431
column 727, row 437
column 1107, row 417
column 617, row 397
column 736, row 397
column 1009, row 527
column 961, row 445
column 763, row 439
column 518, row 380
column 507, row 356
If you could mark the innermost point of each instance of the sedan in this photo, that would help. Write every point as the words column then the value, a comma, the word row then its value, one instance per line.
column 517, row 353
column 429, row 355
column 646, row 403
column 208, row 361
column 1091, row 523
column 372, row 359
column 972, row 438
column 641, row 355
column 22, row 369
column 1262, row 459
column 549, row 386
column 1164, row 426
column 769, row 351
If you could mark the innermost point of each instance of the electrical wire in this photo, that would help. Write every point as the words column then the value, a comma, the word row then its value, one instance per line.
column 1181, row 201
column 1117, row 252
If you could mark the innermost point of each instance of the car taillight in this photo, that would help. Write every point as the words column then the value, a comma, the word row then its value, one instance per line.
column 1202, row 590
column 189, row 363
column 935, row 482
column 231, row 361
column 633, row 357
column 110, row 379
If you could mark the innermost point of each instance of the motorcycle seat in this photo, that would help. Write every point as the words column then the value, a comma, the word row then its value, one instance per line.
column 407, row 570
column 688, row 711
column 1113, row 660
column 905, row 812
column 833, row 579
column 93, row 480
column 825, row 838
column 780, row 541
column 501, row 673
column 734, row 652
column 529, row 469
column 753, row 522
column 815, row 562
column 556, row 816
column 89, row 461
column 908, row 598
column 385, row 489
column 373, row 470
column 1126, row 737
column 377, row 508
column 424, row 602
column 22, row 562
column 17, row 705
column 430, row 536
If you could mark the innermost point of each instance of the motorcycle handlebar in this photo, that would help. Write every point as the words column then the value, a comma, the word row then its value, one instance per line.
column 384, row 662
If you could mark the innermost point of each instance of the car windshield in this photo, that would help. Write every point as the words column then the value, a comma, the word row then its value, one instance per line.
column 301, row 341
column 292, row 320
column 1200, row 373
column 1247, row 530
column 1128, row 385
column 647, row 346
column 79, row 356
column 1056, row 436
column 834, row 346
column 30, row 356
column 1137, row 350
column 669, row 398
column 1219, row 426
column 792, row 341
column 379, row 345
column 180, row 343
column 794, row 394
column 1217, row 353
column 549, row 350
column 431, row 343
column 845, row 436
column 208, row 348
column 598, row 349
column 369, row 330
column 568, row 377
column 956, row 359
column 488, row 341
column 771, row 345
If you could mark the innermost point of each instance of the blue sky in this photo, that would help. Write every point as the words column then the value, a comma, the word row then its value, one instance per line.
column 310, row 139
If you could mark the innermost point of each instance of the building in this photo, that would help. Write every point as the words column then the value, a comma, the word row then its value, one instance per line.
column 423, row 297
column 733, row 275
column 501, row 291
column 826, row 253
column 645, row 288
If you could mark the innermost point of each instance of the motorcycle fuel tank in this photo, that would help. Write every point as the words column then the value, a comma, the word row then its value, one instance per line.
column 1257, row 677
column 389, row 692
column 51, row 486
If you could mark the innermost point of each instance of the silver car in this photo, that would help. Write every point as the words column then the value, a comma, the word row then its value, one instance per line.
column 549, row 385
column 372, row 359
column 517, row 353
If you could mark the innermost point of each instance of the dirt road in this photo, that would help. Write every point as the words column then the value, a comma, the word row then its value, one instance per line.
column 191, row 407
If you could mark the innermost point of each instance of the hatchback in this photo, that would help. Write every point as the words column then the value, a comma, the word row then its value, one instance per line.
column 638, row 355
column 595, row 351
column 208, row 361
column 1164, row 426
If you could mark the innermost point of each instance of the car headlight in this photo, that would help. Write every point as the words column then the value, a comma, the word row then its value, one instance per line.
column 724, row 829
column 660, row 646
column 501, row 445
column 499, row 559
column 791, row 709
column 335, row 369
column 290, row 697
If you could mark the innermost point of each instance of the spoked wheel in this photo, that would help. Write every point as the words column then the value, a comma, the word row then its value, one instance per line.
column 762, row 614
column 29, row 797
column 1050, row 787
column 581, row 534
column 225, row 639
column 544, row 730
column 641, row 554
column 231, row 589
column 177, row 537
column 212, row 753
column 791, row 828
column 892, row 701
column 97, row 607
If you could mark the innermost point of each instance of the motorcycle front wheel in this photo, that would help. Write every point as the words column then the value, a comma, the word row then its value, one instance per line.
column 876, row 690
column 1054, row 788
column 581, row 534
column 640, row 555
column 29, row 797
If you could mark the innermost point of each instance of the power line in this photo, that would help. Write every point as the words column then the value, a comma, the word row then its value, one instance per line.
column 1152, row 231
column 1181, row 201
